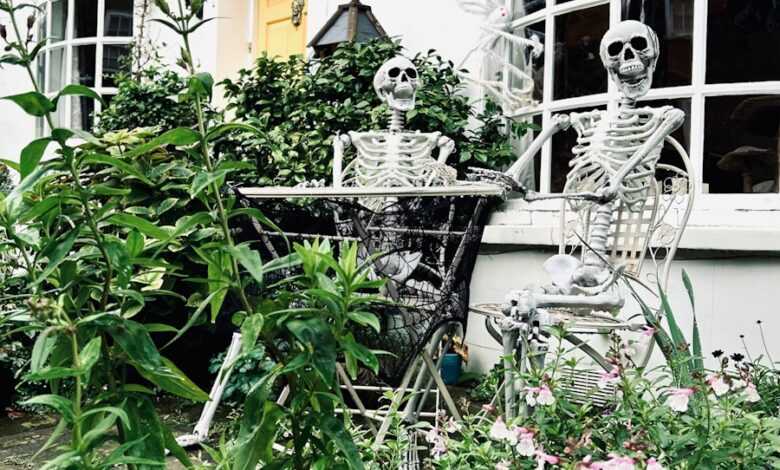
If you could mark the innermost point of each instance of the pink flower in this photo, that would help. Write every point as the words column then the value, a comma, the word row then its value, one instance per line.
column 499, row 431
column 542, row 459
column 439, row 444
column 525, row 445
column 678, row 398
column 648, row 330
column 452, row 426
column 608, row 378
column 539, row 396
column 653, row 464
column 503, row 465
column 615, row 462
column 718, row 385
column 432, row 436
column 751, row 394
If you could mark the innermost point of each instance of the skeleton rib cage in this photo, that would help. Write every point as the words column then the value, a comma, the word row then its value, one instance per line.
column 425, row 249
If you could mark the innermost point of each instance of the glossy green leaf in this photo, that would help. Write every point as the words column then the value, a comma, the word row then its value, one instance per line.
column 316, row 336
column 13, row 201
column 179, row 137
column 205, row 179
column 333, row 428
column 56, row 253
column 121, row 165
column 259, row 427
column 62, row 405
column 32, row 103
column 90, row 354
column 31, row 155
column 140, row 224
column 249, row 259
column 365, row 319
column 79, row 90
column 194, row 317
column 250, row 331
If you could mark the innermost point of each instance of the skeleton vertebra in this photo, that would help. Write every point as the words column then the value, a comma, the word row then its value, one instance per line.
column 394, row 157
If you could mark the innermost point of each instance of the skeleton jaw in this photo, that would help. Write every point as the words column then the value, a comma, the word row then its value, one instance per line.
column 402, row 97
column 633, row 80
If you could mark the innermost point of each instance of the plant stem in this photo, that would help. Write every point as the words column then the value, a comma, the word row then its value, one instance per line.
column 77, row 399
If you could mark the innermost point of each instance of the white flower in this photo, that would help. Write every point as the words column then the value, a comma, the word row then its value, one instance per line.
column 653, row 464
column 526, row 446
column 439, row 449
column 499, row 430
column 530, row 398
column 432, row 436
column 751, row 394
column 545, row 396
column 718, row 385
column 503, row 465
column 678, row 399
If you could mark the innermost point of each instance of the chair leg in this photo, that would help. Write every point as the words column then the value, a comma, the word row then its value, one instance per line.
column 201, row 431
column 344, row 379
column 441, row 386
column 396, row 403
column 509, row 340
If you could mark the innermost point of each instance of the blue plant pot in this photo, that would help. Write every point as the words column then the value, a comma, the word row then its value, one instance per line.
column 451, row 368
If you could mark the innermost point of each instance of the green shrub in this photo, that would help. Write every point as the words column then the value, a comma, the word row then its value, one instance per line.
column 301, row 105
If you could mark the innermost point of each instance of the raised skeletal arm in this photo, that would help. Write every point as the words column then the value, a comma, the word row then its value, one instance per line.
column 560, row 122
column 340, row 143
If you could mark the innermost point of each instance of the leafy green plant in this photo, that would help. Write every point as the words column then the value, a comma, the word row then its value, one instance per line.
column 299, row 106
column 247, row 371
column 308, row 327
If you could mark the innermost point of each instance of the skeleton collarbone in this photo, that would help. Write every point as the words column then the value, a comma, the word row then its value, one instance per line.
column 395, row 159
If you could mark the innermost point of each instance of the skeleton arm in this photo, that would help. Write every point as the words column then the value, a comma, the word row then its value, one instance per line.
column 560, row 122
column 340, row 143
column 446, row 147
column 671, row 119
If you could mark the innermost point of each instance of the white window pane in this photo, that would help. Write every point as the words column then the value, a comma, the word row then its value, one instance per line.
column 82, row 112
column 118, row 20
column 56, row 70
column 59, row 20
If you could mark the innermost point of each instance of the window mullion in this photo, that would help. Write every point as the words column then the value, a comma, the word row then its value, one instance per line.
column 547, row 97
column 101, row 8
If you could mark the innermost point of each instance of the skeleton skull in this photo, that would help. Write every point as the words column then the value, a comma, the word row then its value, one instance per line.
column 629, row 51
column 396, row 83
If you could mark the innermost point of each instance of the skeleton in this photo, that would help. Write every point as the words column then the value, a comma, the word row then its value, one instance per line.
column 613, row 164
column 495, row 43
column 394, row 157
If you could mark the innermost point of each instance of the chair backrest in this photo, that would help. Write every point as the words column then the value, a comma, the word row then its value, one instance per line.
column 650, row 230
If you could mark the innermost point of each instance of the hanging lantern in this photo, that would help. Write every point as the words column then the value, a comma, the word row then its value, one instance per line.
column 352, row 21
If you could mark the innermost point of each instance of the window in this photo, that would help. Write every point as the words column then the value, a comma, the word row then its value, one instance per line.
column 87, row 41
column 718, row 63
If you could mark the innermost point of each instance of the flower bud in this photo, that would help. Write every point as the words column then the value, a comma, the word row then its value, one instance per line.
column 30, row 21
column 3, row 31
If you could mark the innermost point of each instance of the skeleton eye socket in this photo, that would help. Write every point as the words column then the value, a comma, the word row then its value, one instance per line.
column 615, row 48
column 394, row 72
column 411, row 73
column 639, row 43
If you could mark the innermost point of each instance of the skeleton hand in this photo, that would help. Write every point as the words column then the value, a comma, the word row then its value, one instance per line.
column 496, row 177
column 561, row 121
column 607, row 193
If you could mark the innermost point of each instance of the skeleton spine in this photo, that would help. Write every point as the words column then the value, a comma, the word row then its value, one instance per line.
column 397, row 120
column 598, row 236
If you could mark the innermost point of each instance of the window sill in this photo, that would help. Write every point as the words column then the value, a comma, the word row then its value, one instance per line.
column 726, row 227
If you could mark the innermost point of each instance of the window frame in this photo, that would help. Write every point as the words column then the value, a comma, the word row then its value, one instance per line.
column 698, row 91
column 70, row 43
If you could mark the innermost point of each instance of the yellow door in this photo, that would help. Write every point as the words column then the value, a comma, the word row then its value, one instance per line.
column 277, row 33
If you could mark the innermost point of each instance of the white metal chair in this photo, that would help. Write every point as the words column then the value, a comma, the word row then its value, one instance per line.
column 642, row 242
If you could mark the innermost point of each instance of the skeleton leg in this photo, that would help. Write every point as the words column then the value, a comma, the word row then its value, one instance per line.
column 201, row 431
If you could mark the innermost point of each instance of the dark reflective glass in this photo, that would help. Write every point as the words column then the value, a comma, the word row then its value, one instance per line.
column 113, row 62
column 742, row 41
column 537, row 71
column 741, row 144
column 82, row 111
column 669, row 155
column 84, row 65
column 531, row 175
column 85, row 18
column 578, row 68
column 672, row 20
column 56, row 79
column 526, row 7
column 118, row 19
